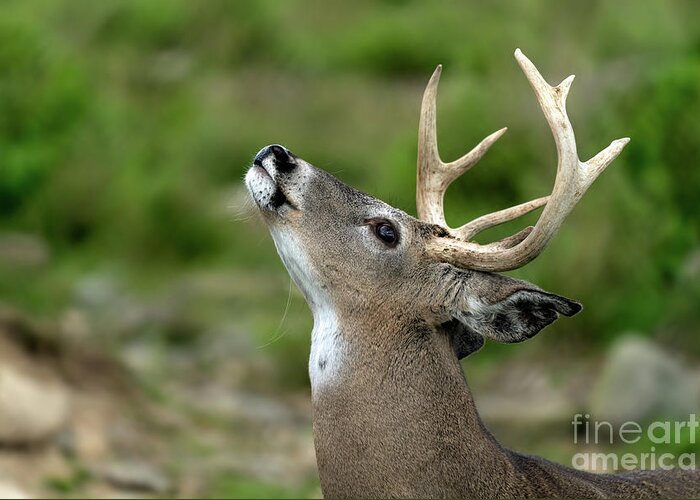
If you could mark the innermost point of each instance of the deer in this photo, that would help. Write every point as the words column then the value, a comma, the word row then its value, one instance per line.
column 398, row 301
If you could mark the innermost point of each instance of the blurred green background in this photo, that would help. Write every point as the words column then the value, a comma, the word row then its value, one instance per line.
column 126, row 128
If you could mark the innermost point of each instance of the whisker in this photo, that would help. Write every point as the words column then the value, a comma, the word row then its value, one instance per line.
column 243, row 209
column 280, row 333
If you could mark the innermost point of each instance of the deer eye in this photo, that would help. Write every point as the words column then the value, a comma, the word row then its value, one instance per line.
column 385, row 231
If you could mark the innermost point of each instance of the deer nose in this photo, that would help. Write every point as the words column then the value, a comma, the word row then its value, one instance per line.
column 285, row 161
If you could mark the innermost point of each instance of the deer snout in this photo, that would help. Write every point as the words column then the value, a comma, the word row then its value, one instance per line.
column 283, row 159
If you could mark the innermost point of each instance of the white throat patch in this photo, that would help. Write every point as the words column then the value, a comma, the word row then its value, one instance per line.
column 326, row 358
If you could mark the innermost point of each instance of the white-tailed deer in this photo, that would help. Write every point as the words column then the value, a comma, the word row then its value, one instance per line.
column 397, row 301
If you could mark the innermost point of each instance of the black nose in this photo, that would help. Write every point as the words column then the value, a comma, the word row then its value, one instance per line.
column 284, row 159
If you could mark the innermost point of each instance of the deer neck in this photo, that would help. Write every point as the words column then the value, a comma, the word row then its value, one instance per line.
column 393, row 413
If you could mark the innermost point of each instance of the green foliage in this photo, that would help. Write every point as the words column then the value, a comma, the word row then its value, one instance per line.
column 70, row 482
column 121, row 136
column 242, row 487
column 41, row 99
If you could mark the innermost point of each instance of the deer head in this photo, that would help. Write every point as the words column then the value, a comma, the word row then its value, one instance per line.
column 359, row 261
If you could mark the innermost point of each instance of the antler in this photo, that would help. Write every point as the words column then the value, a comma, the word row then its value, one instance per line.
column 572, row 180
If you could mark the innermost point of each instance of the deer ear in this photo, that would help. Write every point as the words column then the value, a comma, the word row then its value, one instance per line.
column 518, row 316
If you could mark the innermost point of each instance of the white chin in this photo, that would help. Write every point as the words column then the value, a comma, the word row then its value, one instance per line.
column 260, row 186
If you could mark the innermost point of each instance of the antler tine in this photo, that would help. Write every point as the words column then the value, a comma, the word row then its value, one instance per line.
column 433, row 175
column 471, row 229
column 572, row 180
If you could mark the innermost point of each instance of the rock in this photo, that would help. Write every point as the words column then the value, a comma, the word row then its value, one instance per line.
column 30, row 409
column 11, row 490
column 227, row 403
column 136, row 476
column 143, row 357
column 640, row 381
column 22, row 250
column 109, row 308
column 86, row 439
column 98, row 291
column 525, row 389
column 227, row 340
column 74, row 325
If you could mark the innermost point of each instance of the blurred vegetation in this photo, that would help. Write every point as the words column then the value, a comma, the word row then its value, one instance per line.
column 126, row 128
